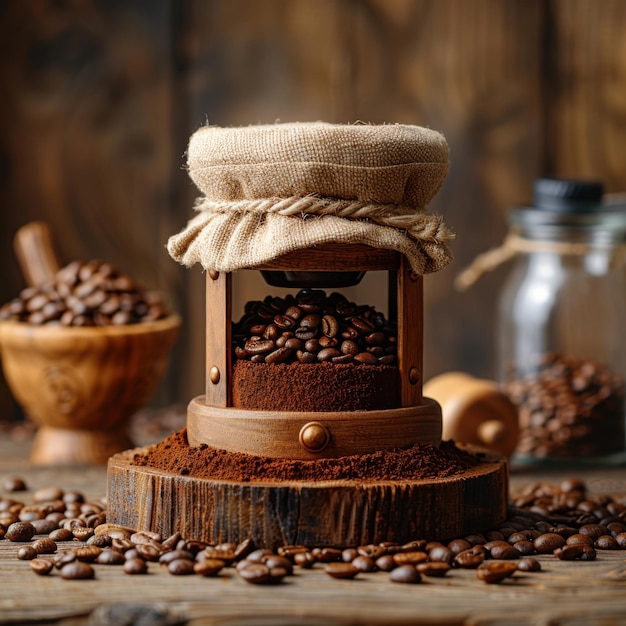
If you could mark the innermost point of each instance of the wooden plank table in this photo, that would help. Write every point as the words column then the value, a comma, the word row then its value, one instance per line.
column 563, row 593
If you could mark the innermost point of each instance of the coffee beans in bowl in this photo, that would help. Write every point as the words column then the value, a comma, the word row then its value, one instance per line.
column 88, row 293
column 94, row 346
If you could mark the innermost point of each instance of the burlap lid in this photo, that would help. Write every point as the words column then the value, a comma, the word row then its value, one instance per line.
column 273, row 189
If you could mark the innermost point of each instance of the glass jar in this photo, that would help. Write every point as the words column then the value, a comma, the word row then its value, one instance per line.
column 562, row 317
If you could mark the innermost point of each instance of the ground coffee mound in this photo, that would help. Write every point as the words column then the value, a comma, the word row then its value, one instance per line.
column 419, row 462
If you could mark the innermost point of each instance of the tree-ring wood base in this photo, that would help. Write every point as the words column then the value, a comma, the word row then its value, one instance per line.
column 325, row 513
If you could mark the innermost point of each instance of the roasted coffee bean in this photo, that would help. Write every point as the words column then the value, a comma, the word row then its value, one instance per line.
column 41, row 567
column 578, row 538
column 279, row 356
column 492, row 573
column 593, row 530
column 606, row 542
column 459, row 545
column 407, row 574
column 243, row 549
column 341, row 570
column 77, row 570
column 110, row 557
column 548, row 543
column 82, row 533
column 364, row 563
column 365, row 358
column 223, row 553
column 575, row 551
column 43, row 526
column 208, row 567
column 524, row 547
column 20, row 531
column 349, row 554
column 45, row 545
column 433, row 569
column 169, row 543
column 441, row 553
column 529, row 564
column 255, row 573
column 135, row 566
column 502, row 550
column 471, row 558
column 277, row 561
column 88, row 554
column 181, row 567
column 63, row 558
column 27, row 553
column 305, row 560
column 385, row 563
column 410, row 558
column 330, row 326
column 327, row 555
column 14, row 483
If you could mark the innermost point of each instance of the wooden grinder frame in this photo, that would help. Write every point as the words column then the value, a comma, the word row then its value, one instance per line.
column 308, row 435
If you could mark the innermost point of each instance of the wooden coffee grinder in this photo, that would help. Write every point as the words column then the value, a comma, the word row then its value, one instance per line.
column 348, row 512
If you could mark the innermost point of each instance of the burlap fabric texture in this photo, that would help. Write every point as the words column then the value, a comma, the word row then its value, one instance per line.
column 270, row 190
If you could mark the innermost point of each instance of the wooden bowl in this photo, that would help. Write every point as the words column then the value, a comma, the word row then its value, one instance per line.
column 81, row 384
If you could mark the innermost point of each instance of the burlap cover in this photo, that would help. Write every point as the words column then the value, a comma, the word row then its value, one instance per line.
column 274, row 189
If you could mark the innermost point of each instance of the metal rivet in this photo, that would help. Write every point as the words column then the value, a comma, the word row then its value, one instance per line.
column 413, row 276
column 214, row 274
column 414, row 376
column 214, row 375
column 314, row 437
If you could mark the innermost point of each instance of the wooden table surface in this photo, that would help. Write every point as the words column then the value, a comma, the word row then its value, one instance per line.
column 571, row 594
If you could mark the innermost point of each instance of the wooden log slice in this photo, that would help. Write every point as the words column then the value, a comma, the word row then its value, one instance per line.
column 324, row 513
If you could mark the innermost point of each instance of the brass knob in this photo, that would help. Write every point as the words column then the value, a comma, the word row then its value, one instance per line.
column 314, row 437
column 214, row 375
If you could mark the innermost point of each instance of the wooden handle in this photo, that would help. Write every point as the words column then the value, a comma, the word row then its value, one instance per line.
column 34, row 248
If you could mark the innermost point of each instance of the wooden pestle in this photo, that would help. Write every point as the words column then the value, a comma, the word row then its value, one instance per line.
column 34, row 247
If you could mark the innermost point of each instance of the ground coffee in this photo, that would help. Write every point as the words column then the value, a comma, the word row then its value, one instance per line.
column 418, row 462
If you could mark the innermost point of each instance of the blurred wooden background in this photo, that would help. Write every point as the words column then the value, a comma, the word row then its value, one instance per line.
column 98, row 99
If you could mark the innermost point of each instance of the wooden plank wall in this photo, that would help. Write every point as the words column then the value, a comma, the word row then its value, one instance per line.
column 99, row 97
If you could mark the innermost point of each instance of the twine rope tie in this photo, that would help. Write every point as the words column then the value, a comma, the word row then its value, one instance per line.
column 417, row 225
column 513, row 245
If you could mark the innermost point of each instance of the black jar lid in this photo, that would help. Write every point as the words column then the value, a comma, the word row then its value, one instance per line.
column 570, row 203
column 567, row 196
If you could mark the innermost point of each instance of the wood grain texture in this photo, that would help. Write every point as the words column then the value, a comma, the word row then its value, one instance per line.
column 87, row 379
column 321, row 513
column 563, row 592
column 277, row 434
column 100, row 98
column 218, row 367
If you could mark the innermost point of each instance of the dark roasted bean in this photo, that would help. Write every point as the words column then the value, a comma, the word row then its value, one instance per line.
column 529, row 564
column 341, row 570
column 407, row 574
column 41, row 567
column 492, row 573
column 20, row 531
column 77, row 570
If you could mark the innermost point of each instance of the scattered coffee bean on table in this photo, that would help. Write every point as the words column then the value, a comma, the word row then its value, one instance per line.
column 556, row 522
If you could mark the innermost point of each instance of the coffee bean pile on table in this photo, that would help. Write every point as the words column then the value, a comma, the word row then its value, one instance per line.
column 63, row 534
column 88, row 293
column 312, row 328
column 568, row 407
